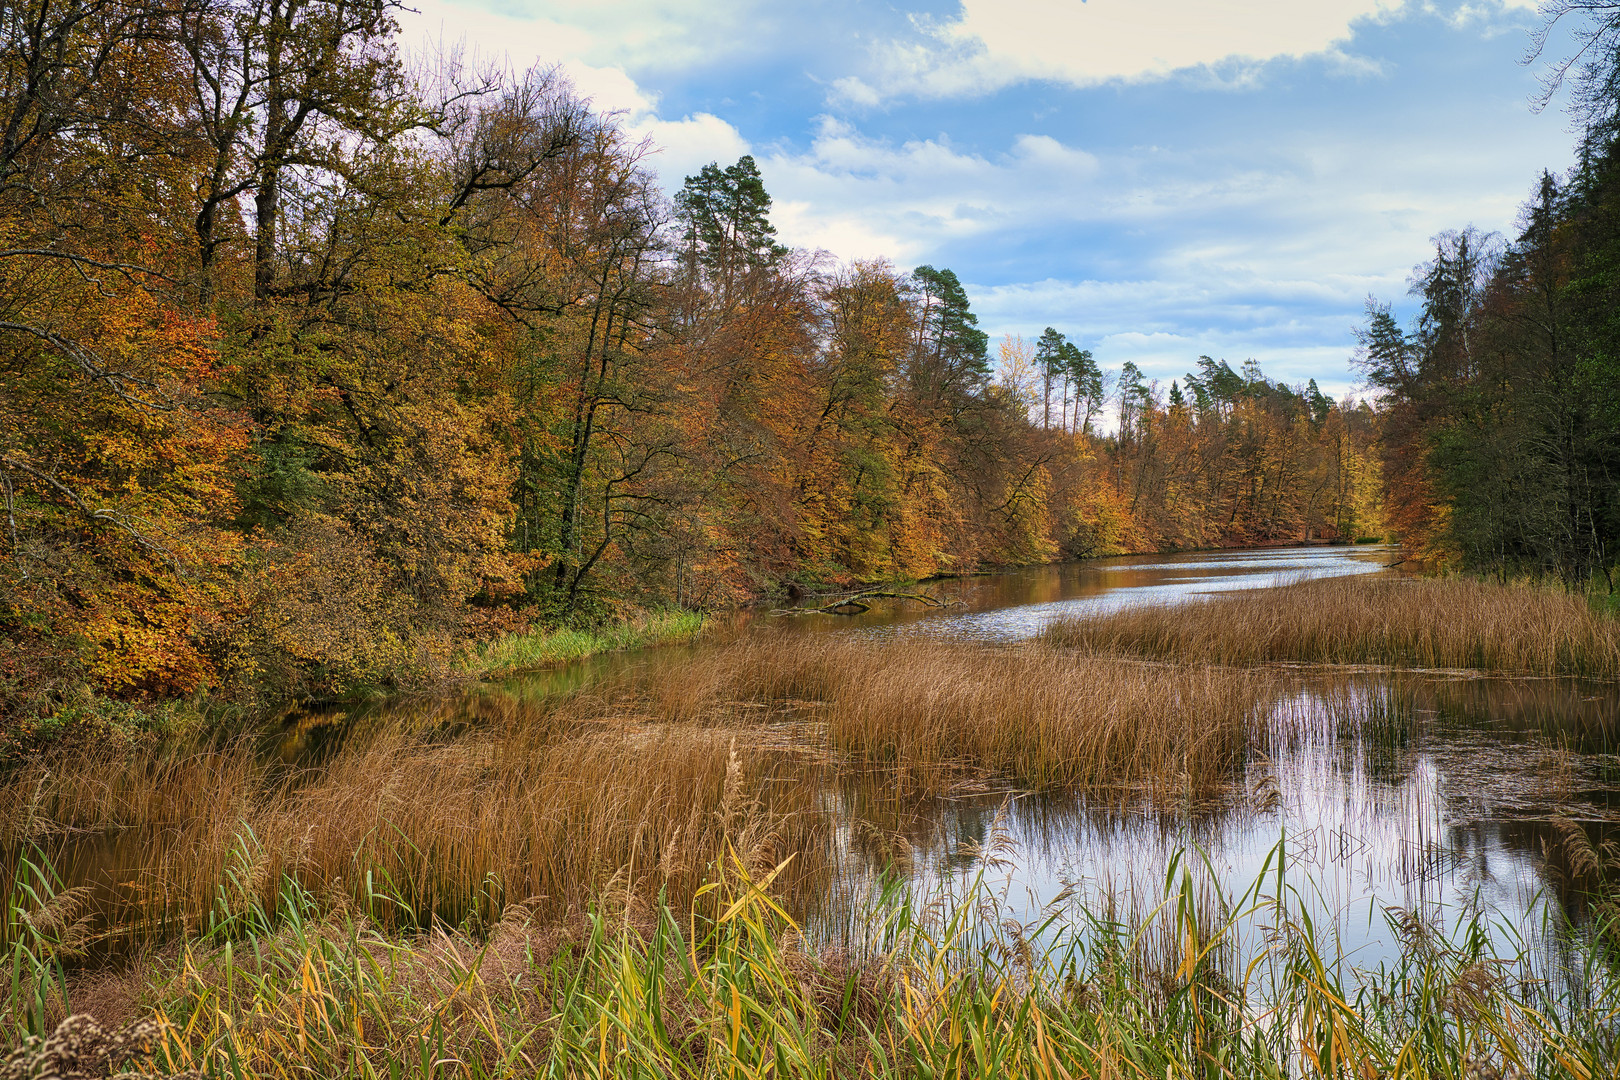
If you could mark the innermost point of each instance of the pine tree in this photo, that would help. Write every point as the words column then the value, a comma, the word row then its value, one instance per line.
column 728, row 227
column 952, row 359
column 1049, row 358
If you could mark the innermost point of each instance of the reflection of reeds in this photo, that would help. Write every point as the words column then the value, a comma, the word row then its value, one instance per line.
column 1593, row 866
column 1426, row 623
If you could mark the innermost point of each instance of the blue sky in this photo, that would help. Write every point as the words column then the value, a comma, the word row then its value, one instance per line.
column 1158, row 179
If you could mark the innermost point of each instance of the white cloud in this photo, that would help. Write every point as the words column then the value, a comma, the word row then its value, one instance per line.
column 638, row 34
column 684, row 146
column 521, row 43
column 1122, row 39
column 580, row 40
column 1236, row 251
column 996, row 43
column 863, row 197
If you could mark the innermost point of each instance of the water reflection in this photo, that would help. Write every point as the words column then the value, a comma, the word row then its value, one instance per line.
column 1018, row 605
column 1434, row 795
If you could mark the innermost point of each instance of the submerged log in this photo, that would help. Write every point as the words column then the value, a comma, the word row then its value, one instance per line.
column 856, row 603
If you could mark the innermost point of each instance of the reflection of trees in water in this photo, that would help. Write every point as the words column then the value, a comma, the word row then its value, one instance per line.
column 1423, row 792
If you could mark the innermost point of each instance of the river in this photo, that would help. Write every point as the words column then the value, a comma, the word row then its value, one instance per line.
column 1426, row 792
column 1430, row 792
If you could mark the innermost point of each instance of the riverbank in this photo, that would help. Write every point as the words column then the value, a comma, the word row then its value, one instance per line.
column 89, row 720
column 490, row 880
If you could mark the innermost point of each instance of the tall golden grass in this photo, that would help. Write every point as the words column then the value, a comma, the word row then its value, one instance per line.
column 1039, row 717
column 451, row 829
column 636, row 782
column 1422, row 623
column 970, row 986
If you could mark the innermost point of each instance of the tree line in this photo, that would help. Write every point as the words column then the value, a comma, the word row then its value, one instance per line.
column 1501, row 399
column 319, row 362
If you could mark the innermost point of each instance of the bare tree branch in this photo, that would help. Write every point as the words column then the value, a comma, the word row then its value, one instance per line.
column 115, row 381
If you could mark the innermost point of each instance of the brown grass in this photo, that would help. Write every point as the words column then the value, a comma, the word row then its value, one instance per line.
column 1423, row 623
column 1041, row 718
column 638, row 784
column 454, row 829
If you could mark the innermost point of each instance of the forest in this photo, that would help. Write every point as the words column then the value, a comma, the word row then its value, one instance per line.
column 321, row 362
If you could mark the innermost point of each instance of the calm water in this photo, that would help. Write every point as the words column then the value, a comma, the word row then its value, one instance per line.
column 1014, row 606
column 1437, row 798
column 1432, row 793
column 1426, row 792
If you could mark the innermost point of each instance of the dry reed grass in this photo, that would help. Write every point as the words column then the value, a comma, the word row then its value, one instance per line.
column 636, row 784
column 1041, row 718
column 446, row 830
column 1424, row 623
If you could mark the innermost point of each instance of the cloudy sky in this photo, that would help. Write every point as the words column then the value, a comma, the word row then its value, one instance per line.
column 1156, row 178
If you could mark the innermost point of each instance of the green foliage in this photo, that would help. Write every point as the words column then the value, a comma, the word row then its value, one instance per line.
column 44, row 930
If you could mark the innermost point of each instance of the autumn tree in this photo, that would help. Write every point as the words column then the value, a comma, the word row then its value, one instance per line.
column 115, row 465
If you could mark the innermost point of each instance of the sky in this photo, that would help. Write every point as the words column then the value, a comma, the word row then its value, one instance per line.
column 1157, row 179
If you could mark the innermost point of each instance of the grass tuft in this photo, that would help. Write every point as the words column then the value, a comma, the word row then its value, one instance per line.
column 513, row 654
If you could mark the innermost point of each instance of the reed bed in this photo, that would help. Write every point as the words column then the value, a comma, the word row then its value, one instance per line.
column 1421, row 623
column 445, row 830
column 728, row 988
column 1041, row 718
column 499, row 802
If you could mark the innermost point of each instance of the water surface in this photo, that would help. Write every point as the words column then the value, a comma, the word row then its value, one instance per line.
column 1438, row 794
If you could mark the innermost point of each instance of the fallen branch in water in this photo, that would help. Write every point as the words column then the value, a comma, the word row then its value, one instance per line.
column 856, row 604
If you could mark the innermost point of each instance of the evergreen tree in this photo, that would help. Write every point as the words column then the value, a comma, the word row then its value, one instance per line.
column 1319, row 403
column 1049, row 358
column 1090, row 393
column 728, row 227
column 952, row 356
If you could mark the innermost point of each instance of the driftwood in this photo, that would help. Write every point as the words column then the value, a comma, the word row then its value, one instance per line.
column 856, row 603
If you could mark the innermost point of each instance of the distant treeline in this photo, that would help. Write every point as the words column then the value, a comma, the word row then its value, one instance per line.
column 317, row 366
